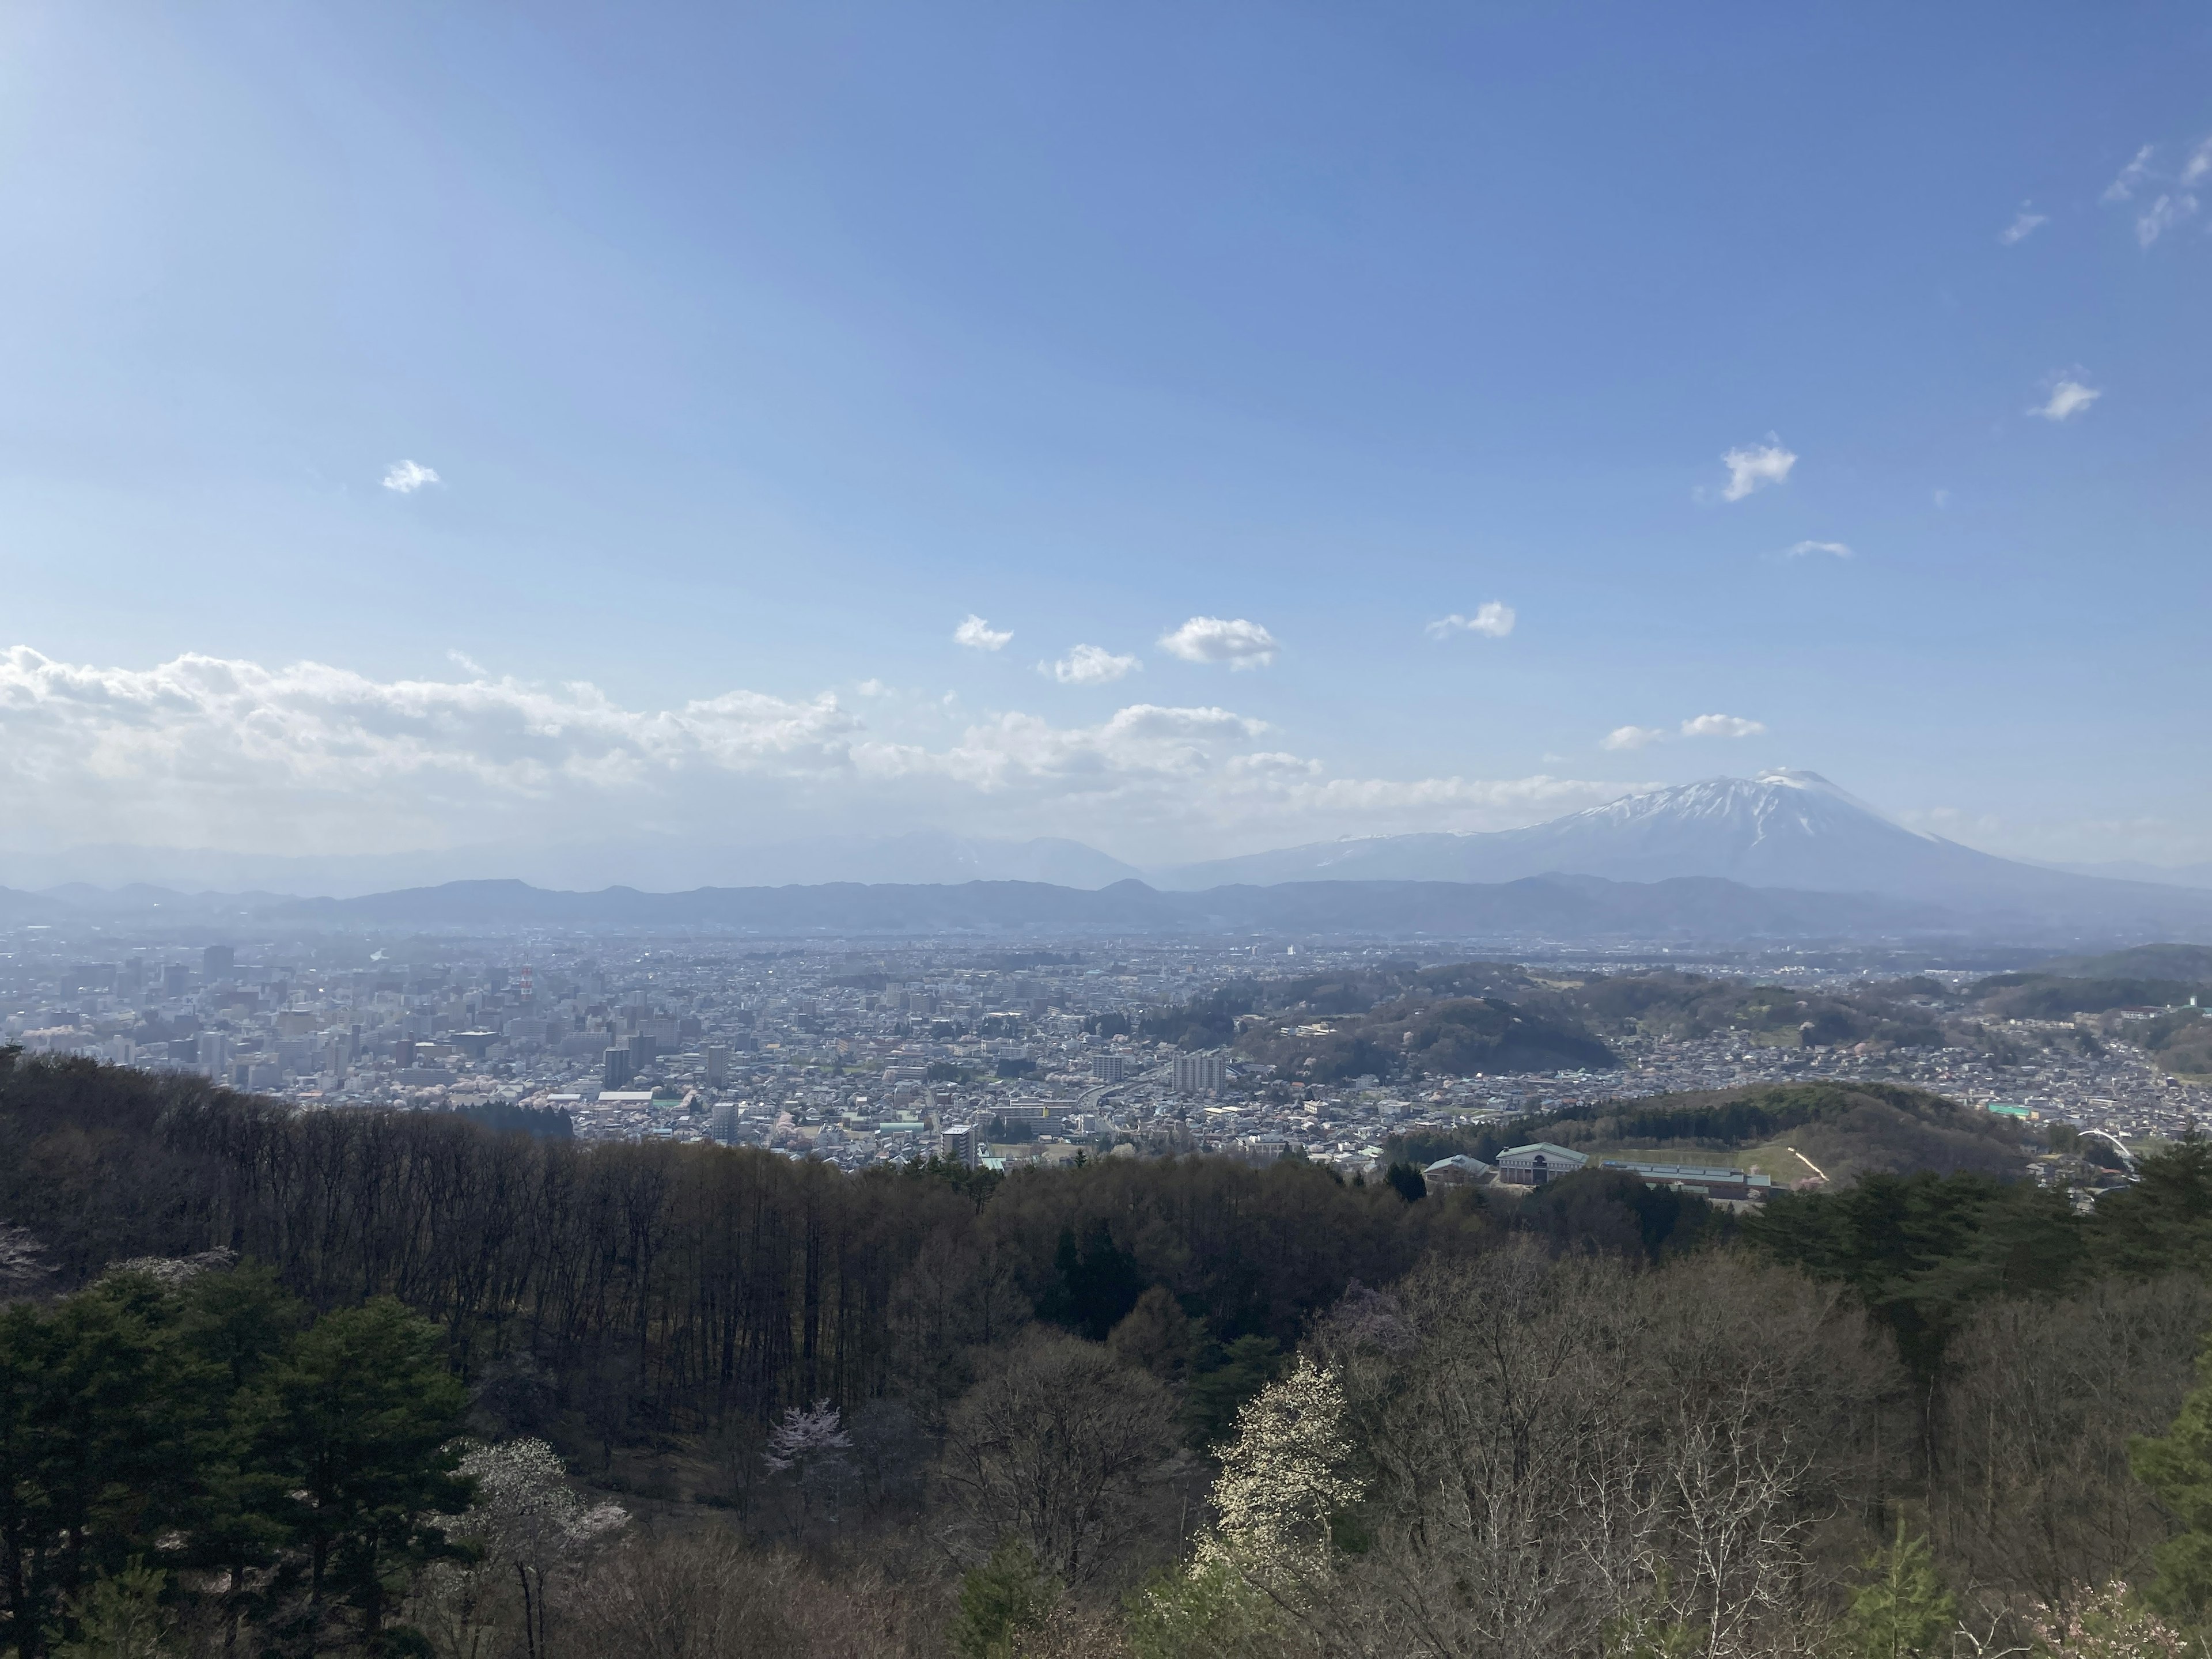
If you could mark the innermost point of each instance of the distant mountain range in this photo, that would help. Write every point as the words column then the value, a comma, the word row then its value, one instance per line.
column 1567, row 908
column 1686, row 910
column 2167, row 875
column 1786, row 852
column 663, row 864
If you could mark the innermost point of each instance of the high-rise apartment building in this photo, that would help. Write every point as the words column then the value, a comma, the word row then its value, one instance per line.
column 960, row 1143
column 617, row 1068
column 1200, row 1073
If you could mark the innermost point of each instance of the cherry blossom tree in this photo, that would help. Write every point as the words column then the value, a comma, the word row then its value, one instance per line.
column 810, row 1444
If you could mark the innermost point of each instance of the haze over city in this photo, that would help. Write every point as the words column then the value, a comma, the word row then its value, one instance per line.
column 584, row 447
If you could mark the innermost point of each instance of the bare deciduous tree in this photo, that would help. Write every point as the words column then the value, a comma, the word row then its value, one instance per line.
column 2035, row 1497
column 1577, row 1447
column 1056, row 1447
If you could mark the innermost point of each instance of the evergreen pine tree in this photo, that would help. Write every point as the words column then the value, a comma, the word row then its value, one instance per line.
column 1904, row 1612
column 2178, row 1468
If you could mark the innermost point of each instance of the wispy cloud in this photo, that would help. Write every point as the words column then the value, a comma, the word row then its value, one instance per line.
column 2172, row 207
column 406, row 477
column 1090, row 664
column 1755, row 467
column 1239, row 643
column 1722, row 725
column 2068, row 398
column 2124, row 187
column 979, row 636
column 1492, row 618
column 1699, row 725
column 2175, row 202
column 1802, row 549
column 2023, row 225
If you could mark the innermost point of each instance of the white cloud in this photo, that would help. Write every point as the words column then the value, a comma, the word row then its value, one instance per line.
column 1490, row 617
column 2068, row 398
column 2171, row 209
column 201, row 750
column 406, row 477
column 1755, row 468
column 2123, row 188
column 1721, row 726
column 1239, row 643
column 2023, row 225
column 1700, row 726
column 236, row 755
column 2176, row 201
column 1091, row 664
column 979, row 636
column 1838, row 550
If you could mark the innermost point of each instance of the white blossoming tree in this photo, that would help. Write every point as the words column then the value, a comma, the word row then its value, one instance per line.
column 2109, row 1623
column 527, row 1521
column 1267, row 1554
column 1281, row 1479
column 810, row 1445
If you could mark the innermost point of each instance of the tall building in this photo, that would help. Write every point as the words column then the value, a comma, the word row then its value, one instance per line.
column 962, row 1145
column 1199, row 1074
column 218, row 962
column 718, row 1064
column 213, row 1054
column 617, row 1068
column 643, row 1046
column 722, row 1121
column 176, row 980
column 1108, row 1068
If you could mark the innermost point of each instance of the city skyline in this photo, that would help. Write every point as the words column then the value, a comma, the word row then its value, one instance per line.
column 1190, row 437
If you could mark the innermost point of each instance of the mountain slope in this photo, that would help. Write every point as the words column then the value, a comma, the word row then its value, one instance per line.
column 1559, row 906
column 1782, row 828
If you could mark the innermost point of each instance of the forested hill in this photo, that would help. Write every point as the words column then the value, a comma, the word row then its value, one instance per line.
column 1402, row 1020
column 665, row 1286
column 930, row 1413
column 1844, row 1130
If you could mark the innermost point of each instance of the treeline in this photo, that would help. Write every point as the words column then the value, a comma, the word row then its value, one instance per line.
column 673, row 1288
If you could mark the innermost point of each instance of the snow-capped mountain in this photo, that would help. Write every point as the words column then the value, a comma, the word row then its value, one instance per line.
column 1781, row 828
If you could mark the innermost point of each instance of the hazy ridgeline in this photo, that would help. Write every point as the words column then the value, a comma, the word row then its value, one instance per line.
column 1161, row 1407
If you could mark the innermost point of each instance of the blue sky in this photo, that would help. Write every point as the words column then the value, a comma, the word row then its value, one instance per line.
column 754, row 348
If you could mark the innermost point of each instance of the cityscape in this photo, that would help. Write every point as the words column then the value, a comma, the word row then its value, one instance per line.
column 992, row 1057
